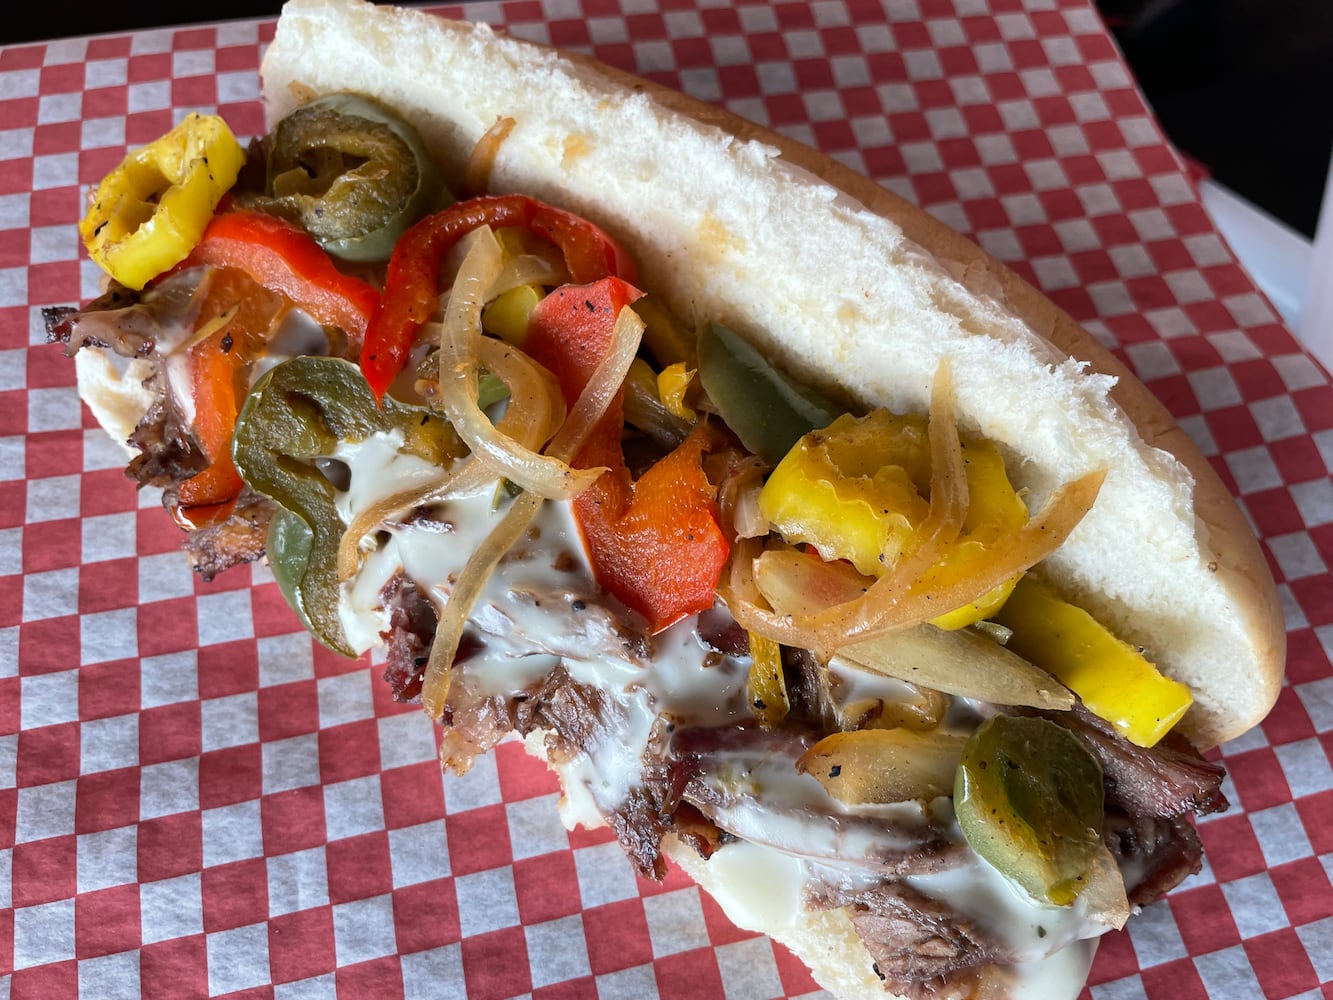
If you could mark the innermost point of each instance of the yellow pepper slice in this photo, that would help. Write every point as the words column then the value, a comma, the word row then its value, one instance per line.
column 506, row 316
column 857, row 491
column 672, row 382
column 149, row 212
column 1113, row 678
column 766, row 687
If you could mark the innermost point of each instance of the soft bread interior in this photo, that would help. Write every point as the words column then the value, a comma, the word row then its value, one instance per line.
column 730, row 223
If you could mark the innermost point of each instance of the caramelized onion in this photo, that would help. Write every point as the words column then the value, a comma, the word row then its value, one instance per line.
column 477, row 173
column 460, row 345
column 959, row 662
column 880, row 766
column 590, row 407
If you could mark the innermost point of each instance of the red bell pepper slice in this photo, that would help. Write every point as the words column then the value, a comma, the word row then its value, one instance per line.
column 411, row 287
column 656, row 543
column 209, row 497
column 285, row 258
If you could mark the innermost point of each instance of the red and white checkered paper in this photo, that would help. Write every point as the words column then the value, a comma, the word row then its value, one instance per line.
column 195, row 800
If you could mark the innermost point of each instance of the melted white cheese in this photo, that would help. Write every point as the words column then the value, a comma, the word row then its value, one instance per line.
column 762, row 885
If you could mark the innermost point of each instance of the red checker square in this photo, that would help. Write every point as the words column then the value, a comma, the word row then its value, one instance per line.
column 48, row 754
column 522, row 776
column 193, row 91
column 1315, row 595
column 1234, row 428
column 104, row 102
column 106, row 800
column 571, row 989
column 1203, row 917
column 146, row 69
column 478, row 839
column 13, row 501
column 169, row 732
column 233, row 58
column 934, row 189
column 228, row 668
column 292, row 820
column 271, row 613
column 230, row 776
column 170, row 846
column 688, row 975
column 59, row 979
column 155, row 532
column 286, row 710
column 55, row 453
column 796, row 17
column 51, row 545
column 359, row 867
column 1178, row 980
column 1314, row 405
column 107, row 491
column 1259, row 779
column 11, row 702
column 496, row 964
column 9, row 799
column 48, row 645
column 412, row 794
column 167, row 626
column 582, row 837
column 1306, row 659
column 1231, row 847
column 425, row 915
column 330, row 664
column 301, row 945
column 1274, row 512
column 569, row 33
column 1257, row 379
column 958, row 61
column 546, row 887
column 1303, row 887
column 1169, row 255
column 60, row 274
column 1288, row 721
column 720, row 928
column 673, row 880
column 1115, row 959
column 106, row 921
column 102, row 585
column 108, row 689
column 690, row 53
column 48, row 367
column 1298, row 459
column 738, row 81
column 617, row 936
column 174, row 970
column 349, row 751
column 884, row 161
column 63, row 78
column 44, row 870
column 831, row 136
column 793, row 973
column 234, row 895
column 382, row 977
column 1281, row 964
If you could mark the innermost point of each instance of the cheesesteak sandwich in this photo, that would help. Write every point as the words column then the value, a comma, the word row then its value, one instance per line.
column 814, row 551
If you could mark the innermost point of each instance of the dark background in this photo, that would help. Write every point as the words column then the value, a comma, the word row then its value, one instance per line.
column 1243, row 87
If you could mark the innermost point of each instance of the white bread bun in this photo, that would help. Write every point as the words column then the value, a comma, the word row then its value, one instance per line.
column 846, row 285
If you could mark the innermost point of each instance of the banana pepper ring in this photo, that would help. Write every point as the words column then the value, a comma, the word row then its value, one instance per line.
column 149, row 212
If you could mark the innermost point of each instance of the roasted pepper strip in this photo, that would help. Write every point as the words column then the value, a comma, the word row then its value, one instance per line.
column 411, row 289
column 353, row 173
column 655, row 543
column 150, row 211
column 300, row 411
column 282, row 257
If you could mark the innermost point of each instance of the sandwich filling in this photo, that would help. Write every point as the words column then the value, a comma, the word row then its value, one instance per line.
column 807, row 641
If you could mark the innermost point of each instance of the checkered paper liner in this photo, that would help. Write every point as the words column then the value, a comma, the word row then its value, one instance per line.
column 196, row 800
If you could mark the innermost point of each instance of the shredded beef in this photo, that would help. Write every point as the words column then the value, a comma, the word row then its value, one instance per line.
column 921, row 946
column 412, row 623
column 237, row 540
column 1155, row 854
column 1168, row 780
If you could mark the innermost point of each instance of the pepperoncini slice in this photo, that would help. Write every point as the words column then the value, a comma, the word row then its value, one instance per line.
column 295, row 417
column 1114, row 680
column 766, row 686
column 672, row 383
column 857, row 491
column 1029, row 799
column 149, row 212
